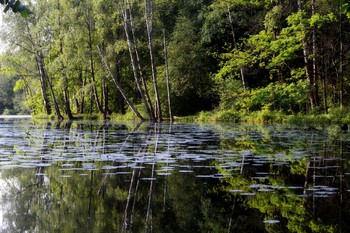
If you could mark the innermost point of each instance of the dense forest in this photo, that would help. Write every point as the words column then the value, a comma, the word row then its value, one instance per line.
column 157, row 59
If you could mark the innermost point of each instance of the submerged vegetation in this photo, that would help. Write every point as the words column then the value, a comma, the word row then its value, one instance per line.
column 256, row 61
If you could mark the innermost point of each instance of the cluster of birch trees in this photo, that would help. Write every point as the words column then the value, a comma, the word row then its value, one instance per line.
column 97, row 56
column 162, row 58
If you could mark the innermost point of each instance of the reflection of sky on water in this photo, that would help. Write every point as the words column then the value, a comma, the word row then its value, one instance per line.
column 5, row 204
column 2, row 208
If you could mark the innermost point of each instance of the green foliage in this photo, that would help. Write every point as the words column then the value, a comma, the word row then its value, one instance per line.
column 288, row 98
column 265, row 116
column 129, row 115
column 236, row 56
column 186, row 61
column 218, row 116
column 16, row 6
column 345, row 6
column 317, row 226
column 308, row 120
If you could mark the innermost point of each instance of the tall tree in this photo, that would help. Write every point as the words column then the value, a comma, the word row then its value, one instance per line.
column 167, row 77
column 149, row 25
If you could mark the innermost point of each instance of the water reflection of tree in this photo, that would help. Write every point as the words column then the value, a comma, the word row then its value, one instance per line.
column 323, row 166
column 89, row 200
column 93, row 199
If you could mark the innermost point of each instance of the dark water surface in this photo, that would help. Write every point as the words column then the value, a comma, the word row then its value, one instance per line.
column 94, row 177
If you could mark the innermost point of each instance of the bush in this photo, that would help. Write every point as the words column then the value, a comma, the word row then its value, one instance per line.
column 288, row 98
column 308, row 120
column 227, row 116
column 204, row 117
column 339, row 116
column 266, row 116
column 219, row 116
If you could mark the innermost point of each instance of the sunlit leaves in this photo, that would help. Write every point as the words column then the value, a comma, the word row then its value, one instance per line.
column 20, row 84
column 318, row 20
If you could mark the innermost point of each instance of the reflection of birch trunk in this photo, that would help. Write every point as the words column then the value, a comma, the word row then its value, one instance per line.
column 126, row 219
column 314, row 183
column 242, row 165
column 231, row 215
column 131, row 193
column 136, row 188
column 306, row 176
column 90, row 196
column 135, row 198
column 341, row 176
column 94, row 144
column 149, row 206
column 165, row 193
column 103, row 183
column 43, row 152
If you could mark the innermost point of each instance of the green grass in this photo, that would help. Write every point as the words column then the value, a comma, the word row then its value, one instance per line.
column 339, row 117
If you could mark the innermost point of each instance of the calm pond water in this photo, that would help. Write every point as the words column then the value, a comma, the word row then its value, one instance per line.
column 94, row 177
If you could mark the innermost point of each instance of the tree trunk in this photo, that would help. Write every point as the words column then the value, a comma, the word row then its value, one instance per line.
column 91, row 101
column 105, row 99
column 149, row 106
column 341, row 59
column 82, row 101
column 45, row 77
column 57, row 109
column 149, row 25
column 41, row 69
column 43, row 87
column 119, row 87
column 67, row 103
column 314, row 61
column 234, row 41
column 65, row 86
column 307, row 69
column 132, row 57
column 148, row 220
column 324, row 95
column 167, row 77
column 92, row 66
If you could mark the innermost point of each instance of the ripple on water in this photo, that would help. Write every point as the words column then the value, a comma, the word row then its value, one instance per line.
column 271, row 221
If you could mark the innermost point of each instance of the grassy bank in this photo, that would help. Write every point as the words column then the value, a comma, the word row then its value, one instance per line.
column 265, row 116
column 339, row 117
